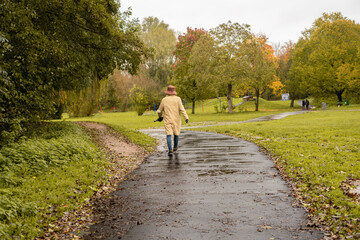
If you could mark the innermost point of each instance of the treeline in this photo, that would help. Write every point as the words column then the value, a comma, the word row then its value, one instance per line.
column 78, row 56
column 325, row 62
column 223, row 60
column 124, row 91
column 201, row 64
column 230, row 60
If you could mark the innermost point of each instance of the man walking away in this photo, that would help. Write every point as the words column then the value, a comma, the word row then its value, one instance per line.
column 307, row 103
column 170, row 109
column 303, row 104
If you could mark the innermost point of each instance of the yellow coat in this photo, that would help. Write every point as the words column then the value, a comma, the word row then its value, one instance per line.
column 170, row 108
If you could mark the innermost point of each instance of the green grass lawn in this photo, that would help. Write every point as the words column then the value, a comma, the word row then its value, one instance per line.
column 131, row 120
column 318, row 151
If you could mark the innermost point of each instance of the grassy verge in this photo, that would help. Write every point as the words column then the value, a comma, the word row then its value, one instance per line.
column 343, row 107
column 126, row 123
column 45, row 176
column 319, row 152
column 143, row 140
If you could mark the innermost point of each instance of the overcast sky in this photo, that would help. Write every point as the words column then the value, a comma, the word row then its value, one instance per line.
column 279, row 20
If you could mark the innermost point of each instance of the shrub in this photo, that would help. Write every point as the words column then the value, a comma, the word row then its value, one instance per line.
column 45, row 175
column 140, row 109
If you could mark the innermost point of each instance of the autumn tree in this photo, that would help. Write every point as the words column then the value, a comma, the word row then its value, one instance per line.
column 262, row 65
column 118, row 90
column 186, row 82
column 326, row 58
column 230, row 63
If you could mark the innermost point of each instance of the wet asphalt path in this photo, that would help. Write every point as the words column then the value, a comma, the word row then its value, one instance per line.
column 259, row 119
column 215, row 187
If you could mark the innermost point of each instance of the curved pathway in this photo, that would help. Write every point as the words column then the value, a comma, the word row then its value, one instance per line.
column 215, row 187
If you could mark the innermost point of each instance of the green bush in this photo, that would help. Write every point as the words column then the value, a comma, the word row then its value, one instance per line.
column 140, row 109
column 45, row 175
column 224, row 107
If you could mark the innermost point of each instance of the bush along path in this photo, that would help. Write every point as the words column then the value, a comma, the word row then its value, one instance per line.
column 43, row 176
column 214, row 187
column 123, row 157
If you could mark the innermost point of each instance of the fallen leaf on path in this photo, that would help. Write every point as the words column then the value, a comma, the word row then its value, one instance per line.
column 266, row 227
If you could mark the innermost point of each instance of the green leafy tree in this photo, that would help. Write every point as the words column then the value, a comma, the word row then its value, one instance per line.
column 229, row 62
column 292, row 86
column 202, row 62
column 140, row 97
column 157, row 35
column 154, row 74
column 262, row 65
column 50, row 46
column 184, row 79
column 326, row 58
column 111, row 97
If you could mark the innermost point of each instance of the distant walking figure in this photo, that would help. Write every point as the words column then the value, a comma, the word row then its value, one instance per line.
column 169, row 110
column 307, row 103
column 303, row 104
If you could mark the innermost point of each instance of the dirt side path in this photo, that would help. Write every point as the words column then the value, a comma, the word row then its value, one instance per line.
column 110, row 141
column 124, row 157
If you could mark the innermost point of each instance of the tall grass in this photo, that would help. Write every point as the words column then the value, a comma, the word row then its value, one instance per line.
column 42, row 177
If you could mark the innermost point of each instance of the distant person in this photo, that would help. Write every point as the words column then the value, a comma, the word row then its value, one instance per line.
column 307, row 103
column 303, row 104
column 170, row 108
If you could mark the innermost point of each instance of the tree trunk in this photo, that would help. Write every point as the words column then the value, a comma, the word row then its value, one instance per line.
column 339, row 95
column 193, row 106
column 292, row 97
column 193, row 99
column 257, row 100
column 228, row 96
